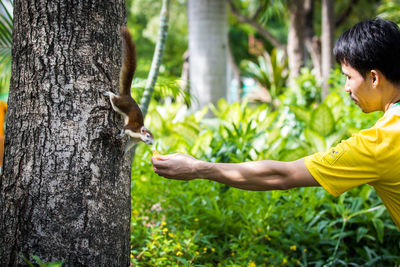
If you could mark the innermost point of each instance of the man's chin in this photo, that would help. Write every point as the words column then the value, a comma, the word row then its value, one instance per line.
column 367, row 110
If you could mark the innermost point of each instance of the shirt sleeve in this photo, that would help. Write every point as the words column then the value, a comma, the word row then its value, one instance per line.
column 347, row 165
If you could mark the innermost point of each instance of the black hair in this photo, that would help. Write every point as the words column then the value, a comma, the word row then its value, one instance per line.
column 371, row 44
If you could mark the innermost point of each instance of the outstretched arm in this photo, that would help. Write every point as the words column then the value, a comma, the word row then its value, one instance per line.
column 255, row 175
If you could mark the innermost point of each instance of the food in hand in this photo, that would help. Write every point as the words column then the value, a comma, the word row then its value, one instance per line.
column 156, row 154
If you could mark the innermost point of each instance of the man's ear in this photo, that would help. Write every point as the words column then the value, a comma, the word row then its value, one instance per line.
column 375, row 77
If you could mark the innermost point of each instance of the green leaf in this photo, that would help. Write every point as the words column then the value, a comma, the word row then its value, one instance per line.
column 335, row 137
column 269, row 120
column 335, row 104
column 380, row 228
column 293, row 154
column 301, row 113
column 315, row 139
column 322, row 120
column 361, row 232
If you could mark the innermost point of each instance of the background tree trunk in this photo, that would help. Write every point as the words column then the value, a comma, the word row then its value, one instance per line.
column 295, row 45
column 328, row 24
column 312, row 42
column 65, row 192
column 156, row 63
column 208, row 43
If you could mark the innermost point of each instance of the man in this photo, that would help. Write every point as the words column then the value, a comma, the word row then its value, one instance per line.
column 369, row 54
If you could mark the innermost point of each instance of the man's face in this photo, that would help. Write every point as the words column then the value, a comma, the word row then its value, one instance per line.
column 361, row 89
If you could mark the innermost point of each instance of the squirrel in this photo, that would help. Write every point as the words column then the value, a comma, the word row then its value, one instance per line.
column 123, row 103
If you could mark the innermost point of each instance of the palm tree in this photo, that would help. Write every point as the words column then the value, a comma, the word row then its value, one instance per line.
column 208, row 54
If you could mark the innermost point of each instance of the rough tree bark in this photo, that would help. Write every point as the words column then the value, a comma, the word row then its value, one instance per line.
column 65, row 191
column 208, row 43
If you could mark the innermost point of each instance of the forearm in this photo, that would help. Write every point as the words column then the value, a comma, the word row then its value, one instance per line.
column 257, row 175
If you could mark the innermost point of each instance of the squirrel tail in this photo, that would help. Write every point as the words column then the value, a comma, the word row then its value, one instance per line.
column 128, row 62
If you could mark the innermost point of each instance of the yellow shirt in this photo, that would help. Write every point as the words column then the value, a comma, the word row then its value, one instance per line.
column 370, row 157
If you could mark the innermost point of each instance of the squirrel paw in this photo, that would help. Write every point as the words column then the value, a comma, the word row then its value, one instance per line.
column 107, row 93
column 120, row 135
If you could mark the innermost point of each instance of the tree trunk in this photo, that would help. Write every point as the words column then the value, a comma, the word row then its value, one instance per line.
column 328, row 24
column 234, row 68
column 185, row 77
column 65, row 191
column 208, row 43
column 158, row 53
column 296, row 40
column 312, row 42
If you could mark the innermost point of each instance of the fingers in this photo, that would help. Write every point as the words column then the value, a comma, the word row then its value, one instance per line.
column 173, row 166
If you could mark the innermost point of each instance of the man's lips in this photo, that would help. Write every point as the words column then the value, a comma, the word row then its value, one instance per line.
column 354, row 100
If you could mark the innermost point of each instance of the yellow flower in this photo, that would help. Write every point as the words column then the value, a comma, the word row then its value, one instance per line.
column 197, row 253
column 305, row 250
column 213, row 249
column 251, row 264
column 165, row 230
column 163, row 223
column 204, row 250
column 267, row 237
column 196, row 220
column 294, row 248
column 179, row 253
column 284, row 261
column 171, row 235
column 131, row 256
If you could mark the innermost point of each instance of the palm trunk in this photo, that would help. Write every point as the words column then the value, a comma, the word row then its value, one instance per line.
column 208, row 43
column 156, row 63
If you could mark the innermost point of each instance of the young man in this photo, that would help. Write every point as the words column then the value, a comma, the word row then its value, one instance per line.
column 369, row 54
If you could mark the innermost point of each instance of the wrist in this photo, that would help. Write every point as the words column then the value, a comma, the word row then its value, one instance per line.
column 204, row 170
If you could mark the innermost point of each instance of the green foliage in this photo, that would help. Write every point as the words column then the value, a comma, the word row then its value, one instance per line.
column 6, row 24
column 270, row 71
column 143, row 19
column 203, row 223
column 40, row 263
column 239, row 133
column 321, row 128
column 165, row 87
column 390, row 9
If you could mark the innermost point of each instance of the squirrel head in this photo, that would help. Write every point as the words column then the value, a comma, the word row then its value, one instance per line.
column 146, row 136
